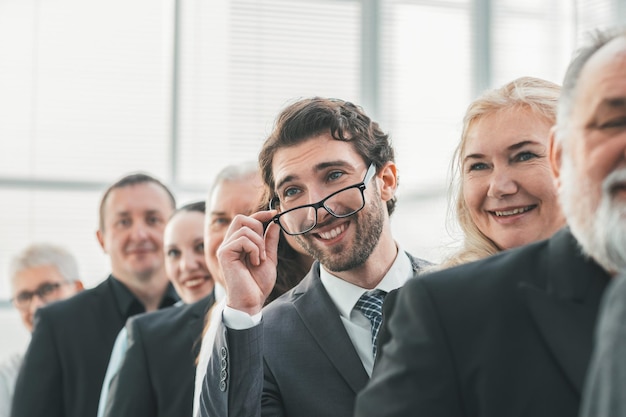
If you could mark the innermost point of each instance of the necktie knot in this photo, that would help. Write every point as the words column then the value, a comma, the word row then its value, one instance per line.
column 371, row 305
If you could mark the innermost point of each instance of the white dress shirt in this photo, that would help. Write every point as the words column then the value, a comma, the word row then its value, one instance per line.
column 8, row 375
column 344, row 296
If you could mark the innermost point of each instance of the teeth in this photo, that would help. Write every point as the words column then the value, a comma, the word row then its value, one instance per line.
column 331, row 234
column 193, row 282
column 512, row 212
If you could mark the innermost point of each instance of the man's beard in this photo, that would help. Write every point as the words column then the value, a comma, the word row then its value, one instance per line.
column 369, row 226
column 601, row 232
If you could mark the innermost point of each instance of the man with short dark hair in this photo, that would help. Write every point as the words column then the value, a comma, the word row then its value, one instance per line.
column 67, row 357
column 330, row 175
column 512, row 335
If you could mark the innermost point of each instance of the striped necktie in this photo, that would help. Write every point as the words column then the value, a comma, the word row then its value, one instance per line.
column 371, row 305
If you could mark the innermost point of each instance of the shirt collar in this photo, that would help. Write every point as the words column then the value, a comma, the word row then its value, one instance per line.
column 129, row 305
column 345, row 294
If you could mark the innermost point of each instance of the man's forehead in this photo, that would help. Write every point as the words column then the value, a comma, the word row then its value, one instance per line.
column 31, row 278
column 604, row 70
column 145, row 196
column 295, row 173
column 246, row 191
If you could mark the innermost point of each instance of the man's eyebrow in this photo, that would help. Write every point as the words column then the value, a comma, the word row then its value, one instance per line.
column 612, row 103
column 330, row 164
column 287, row 179
column 319, row 167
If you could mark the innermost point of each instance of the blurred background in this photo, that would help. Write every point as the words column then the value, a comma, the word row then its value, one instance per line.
column 93, row 90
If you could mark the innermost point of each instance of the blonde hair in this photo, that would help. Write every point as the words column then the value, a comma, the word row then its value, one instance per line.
column 541, row 97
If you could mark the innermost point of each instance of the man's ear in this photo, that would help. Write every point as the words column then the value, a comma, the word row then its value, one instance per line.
column 556, row 155
column 100, row 237
column 388, row 175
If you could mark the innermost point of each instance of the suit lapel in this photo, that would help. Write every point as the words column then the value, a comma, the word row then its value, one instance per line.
column 565, row 310
column 321, row 318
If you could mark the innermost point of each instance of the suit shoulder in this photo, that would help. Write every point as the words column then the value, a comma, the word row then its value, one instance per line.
column 281, row 305
column 504, row 269
column 176, row 315
column 167, row 316
column 419, row 265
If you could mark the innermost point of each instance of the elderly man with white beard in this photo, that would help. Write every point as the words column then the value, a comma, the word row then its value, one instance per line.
column 512, row 335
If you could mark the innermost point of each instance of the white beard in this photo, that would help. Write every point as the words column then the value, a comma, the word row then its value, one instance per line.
column 601, row 232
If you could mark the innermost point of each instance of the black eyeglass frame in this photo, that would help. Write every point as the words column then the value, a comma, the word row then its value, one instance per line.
column 371, row 171
column 42, row 292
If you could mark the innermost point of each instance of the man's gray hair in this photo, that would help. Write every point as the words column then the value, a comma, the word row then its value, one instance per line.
column 45, row 254
column 597, row 39
column 234, row 172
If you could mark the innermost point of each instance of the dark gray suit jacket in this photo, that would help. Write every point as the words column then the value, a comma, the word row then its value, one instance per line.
column 68, row 354
column 156, row 377
column 298, row 362
column 510, row 336
column 605, row 387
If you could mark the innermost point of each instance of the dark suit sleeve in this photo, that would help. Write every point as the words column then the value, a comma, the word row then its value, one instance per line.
column 415, row 374
column 131, row 392
column 233, row 385
column 38, row 390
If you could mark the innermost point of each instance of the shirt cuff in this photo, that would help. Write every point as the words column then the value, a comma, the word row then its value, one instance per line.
column 239, row 320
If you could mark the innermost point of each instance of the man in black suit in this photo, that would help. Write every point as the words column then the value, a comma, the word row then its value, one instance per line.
column 72, row 340
column 331, row 176
column 512, row 335
column 156, row 376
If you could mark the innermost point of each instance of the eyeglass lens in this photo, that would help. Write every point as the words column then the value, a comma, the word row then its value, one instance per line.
column 342, row 204
column 45, row 290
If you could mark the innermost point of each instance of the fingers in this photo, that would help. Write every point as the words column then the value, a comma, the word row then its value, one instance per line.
column 245, row 237
column 249, row 272
column 272, row 236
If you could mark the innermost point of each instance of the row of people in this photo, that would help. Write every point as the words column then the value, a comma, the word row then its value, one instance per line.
column 492, row 337
column 237, row 189
column 508, row 335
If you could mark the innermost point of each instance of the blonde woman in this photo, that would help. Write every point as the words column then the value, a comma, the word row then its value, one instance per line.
column 504, row 194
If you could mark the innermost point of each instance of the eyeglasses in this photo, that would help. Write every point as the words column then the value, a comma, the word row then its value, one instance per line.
column 342, row 203
column 44, row 291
